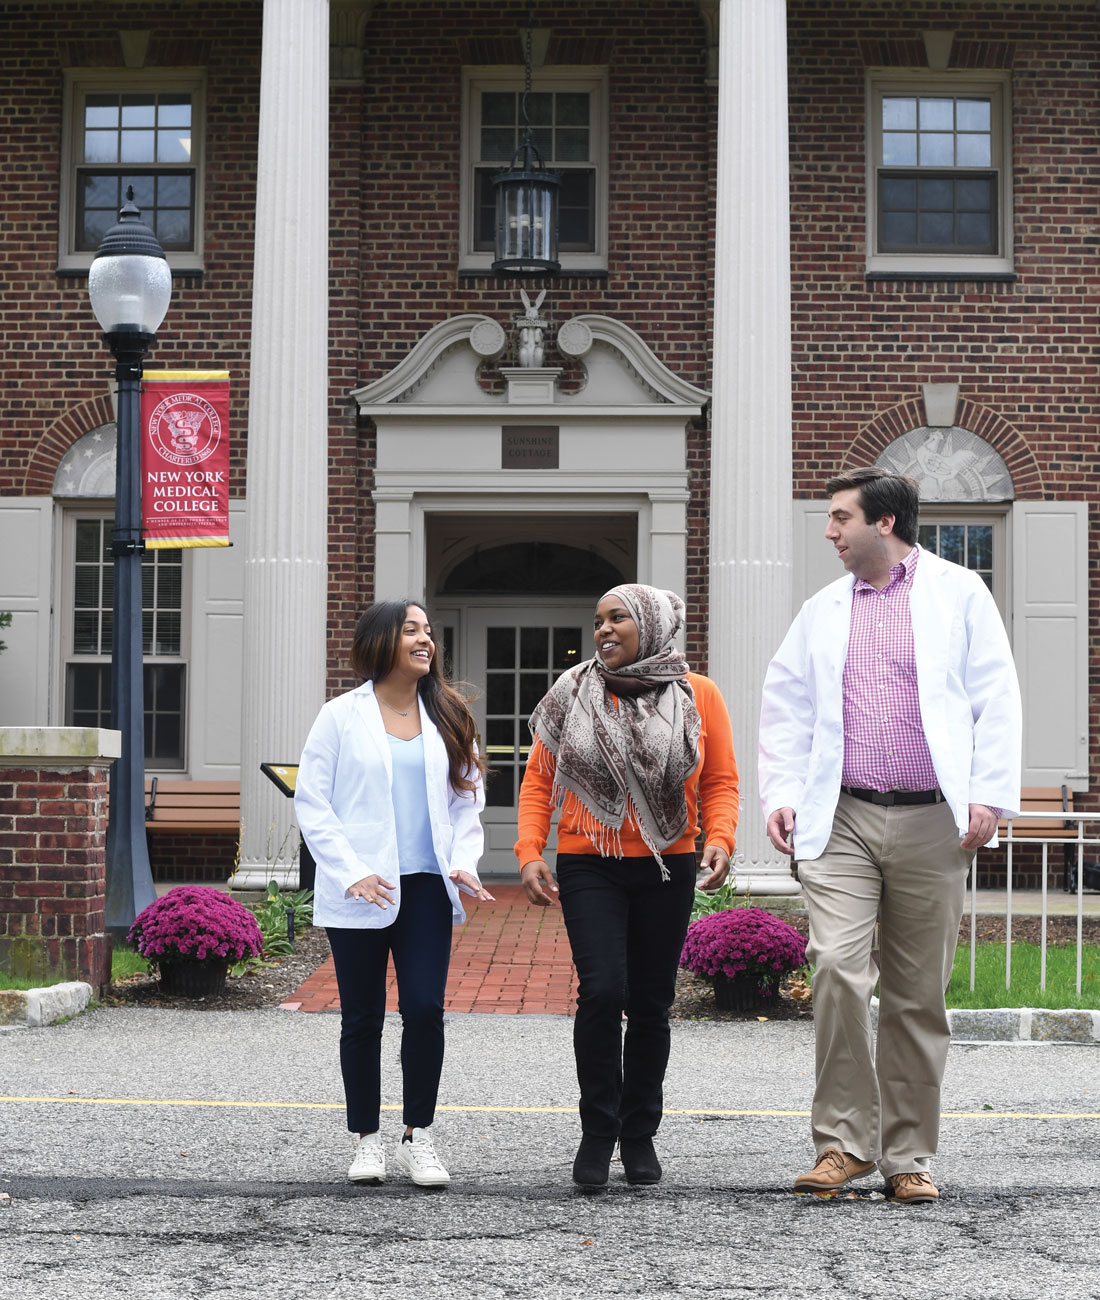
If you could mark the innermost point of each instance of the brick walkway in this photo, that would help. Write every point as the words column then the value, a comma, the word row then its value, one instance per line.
column 509, row 957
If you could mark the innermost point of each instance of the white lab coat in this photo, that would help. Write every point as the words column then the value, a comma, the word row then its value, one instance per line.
column 966, row 683
column 344, row 808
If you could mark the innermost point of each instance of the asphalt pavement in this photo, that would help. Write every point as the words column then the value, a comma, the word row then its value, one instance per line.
column 156, row 1153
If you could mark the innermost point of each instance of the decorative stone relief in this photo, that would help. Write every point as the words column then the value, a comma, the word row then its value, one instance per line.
column 574, row 338
column 532, row 332
column 87, row 469
column 452, row 366
column 949, row 465
column 488, row 339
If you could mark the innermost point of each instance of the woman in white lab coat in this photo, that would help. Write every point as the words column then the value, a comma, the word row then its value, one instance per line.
column 388, row 799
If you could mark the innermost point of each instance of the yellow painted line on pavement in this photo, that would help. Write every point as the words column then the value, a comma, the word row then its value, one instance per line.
column 505, row 1110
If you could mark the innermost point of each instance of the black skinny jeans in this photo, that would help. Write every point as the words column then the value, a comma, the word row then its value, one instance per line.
column 626, row 927
column 420, row 940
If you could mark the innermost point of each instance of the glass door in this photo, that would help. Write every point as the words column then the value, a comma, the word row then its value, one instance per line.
column 514, row 654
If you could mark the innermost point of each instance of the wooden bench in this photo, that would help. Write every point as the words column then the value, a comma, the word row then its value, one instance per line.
column 1056, row 801
column 200, row 806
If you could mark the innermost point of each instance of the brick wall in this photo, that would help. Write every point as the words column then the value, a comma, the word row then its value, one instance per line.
column 53, row 830
column 194, row 856
column 394, row 189
column 55, row 368
column 1023, row 353
column 658, row 278
column 1024, row 350
column 1027, row 868
column 351, row 448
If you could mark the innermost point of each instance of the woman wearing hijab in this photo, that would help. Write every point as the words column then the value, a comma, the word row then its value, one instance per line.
column 627, row 745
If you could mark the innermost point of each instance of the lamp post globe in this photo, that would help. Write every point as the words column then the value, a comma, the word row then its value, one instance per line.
column 130, row 287
column 130, row 283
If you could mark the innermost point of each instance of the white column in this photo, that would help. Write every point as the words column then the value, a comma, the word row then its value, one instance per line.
column 750, row 497
column 285, row 582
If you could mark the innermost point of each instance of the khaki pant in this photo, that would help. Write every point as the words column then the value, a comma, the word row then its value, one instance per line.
column 903, row 866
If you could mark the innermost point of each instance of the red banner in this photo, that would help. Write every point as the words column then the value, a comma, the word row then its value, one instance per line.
column 185, row 458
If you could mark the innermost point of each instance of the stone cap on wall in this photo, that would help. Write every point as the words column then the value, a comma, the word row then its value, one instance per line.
column 57, row 746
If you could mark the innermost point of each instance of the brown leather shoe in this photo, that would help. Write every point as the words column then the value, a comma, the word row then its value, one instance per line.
column 834, row 1169
column 913, row 1188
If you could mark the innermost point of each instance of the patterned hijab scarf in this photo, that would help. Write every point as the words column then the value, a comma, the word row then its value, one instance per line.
column 632, row 760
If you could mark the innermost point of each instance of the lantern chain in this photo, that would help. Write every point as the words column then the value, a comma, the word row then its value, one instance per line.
column 527, row 68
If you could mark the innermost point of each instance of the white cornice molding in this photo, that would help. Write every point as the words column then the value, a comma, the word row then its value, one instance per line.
column 401, row 383
column 438, row 376
column 641, row 361
column 580, row 485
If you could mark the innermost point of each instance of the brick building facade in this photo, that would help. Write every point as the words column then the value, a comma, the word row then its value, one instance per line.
column 996, row 325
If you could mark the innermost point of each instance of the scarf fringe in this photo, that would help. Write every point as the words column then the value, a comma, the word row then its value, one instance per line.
column 606, row 839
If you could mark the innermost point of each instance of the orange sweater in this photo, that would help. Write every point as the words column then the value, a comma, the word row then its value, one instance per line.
column 715, row 779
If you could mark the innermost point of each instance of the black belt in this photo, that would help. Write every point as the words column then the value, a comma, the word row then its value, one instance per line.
column 888, row 798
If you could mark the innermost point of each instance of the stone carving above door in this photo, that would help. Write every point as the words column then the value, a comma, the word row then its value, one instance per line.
column 441, row 372
column 950, row 464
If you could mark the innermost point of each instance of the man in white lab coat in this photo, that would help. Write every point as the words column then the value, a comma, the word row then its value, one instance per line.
column 890, row 742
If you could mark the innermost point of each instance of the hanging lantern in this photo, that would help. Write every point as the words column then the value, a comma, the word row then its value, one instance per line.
column 527, row 214
column 527, row 201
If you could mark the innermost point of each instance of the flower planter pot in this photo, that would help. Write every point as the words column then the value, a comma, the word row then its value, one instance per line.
column 743, row 992
column 193, row 979
column 194, row 933
column 738, row 937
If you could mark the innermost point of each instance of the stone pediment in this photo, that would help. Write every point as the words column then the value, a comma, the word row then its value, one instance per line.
column 439, row 374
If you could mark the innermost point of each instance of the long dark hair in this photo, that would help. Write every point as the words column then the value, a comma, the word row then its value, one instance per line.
column 373, row 654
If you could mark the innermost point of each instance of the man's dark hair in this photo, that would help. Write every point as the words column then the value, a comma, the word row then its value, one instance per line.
column 883, row 493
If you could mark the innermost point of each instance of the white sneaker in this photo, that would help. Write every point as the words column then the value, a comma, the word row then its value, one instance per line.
column 369, row 1165
column 417, row 1156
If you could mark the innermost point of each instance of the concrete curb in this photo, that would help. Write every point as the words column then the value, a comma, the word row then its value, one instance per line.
column 33, row 1008
column 1018, row 1025
column 1025, row 1025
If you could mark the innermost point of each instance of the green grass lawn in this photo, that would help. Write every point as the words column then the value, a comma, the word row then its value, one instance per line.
column 124, row 961
column 1061, row 981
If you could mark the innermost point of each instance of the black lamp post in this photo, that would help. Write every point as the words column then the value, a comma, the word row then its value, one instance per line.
column 526, row 202
column 130, row 286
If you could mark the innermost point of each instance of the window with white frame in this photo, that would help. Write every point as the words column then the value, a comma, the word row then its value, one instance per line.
column 125, row 128
column 939, row 174
column 971, row 537
column 567, row 111
column 89, row 630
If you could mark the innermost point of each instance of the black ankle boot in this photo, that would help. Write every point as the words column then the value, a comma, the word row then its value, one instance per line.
column 640, row 1162
column 592, row 1161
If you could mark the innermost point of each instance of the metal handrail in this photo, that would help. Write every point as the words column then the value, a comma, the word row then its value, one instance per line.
column 1080, row 840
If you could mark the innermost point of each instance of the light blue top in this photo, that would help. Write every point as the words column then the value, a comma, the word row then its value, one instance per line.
column 415, row 851
column 344, row 806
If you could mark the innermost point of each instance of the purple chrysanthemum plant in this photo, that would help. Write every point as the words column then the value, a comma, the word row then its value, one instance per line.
column 742, row 941
column 196, row 923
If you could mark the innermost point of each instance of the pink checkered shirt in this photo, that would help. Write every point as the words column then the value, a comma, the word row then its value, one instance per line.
column 884, row 744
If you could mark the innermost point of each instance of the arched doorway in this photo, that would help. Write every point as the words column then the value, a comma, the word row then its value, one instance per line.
column 514, row 598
